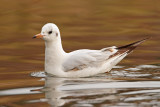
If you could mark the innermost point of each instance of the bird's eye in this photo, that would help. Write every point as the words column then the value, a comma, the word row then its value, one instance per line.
column 49, row 32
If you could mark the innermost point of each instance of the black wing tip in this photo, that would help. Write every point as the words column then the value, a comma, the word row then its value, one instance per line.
column 146, row 38
column 134, row 44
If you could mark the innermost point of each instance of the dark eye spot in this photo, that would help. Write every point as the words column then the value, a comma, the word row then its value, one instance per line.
column 56, row 34
column 49, row 32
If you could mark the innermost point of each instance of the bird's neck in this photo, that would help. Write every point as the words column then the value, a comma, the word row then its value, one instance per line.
column 54, row 54
column 54, row 48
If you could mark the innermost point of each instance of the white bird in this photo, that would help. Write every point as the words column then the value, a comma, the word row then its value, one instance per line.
column 79, row 63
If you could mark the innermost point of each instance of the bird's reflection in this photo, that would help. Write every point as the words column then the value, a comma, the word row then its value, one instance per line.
column 91, row 91
column 52, row 92
column 59, row 91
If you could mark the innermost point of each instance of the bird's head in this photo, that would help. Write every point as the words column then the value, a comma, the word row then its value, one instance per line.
column 49, row 32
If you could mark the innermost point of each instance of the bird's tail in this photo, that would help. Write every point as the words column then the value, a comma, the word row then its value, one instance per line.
column 130, row 47
column 123, row 51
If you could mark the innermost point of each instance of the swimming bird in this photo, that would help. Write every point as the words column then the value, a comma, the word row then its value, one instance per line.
column 79, row 63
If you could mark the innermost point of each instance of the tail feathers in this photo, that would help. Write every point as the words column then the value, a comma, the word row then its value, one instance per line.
column 128, row 48
column 123, row 51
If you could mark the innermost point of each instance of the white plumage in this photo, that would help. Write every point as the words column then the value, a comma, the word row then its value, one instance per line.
column 79, row 63
column 81, row 58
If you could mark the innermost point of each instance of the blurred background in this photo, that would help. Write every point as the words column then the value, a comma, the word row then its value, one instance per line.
column 91, row 24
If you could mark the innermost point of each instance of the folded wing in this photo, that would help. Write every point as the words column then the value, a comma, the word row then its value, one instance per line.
column 81, row 59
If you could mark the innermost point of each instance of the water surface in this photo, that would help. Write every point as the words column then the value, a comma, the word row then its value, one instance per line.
column 90, row 24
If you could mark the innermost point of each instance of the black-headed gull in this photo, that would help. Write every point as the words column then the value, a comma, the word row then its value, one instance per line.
column 79, row 63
